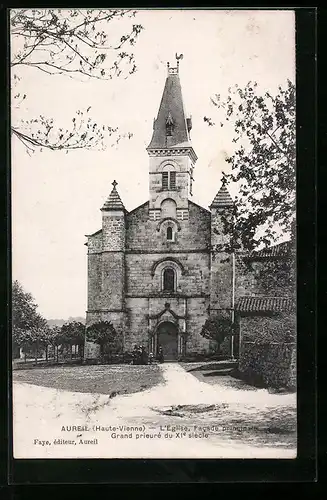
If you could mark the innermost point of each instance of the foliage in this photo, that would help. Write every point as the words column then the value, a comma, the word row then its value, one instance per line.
column 263, row 161
column 29, row 328
column 217, row 328
column 31, row 331
column 278, row 274
column 73, row 333
column 55, row 336
column 104, row 334
column 24, row 310
column 74, row 43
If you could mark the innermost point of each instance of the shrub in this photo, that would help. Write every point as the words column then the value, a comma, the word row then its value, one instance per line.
column 217, row 329
column 104, row 334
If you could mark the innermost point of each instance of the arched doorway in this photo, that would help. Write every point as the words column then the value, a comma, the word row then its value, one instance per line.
column 167, row 338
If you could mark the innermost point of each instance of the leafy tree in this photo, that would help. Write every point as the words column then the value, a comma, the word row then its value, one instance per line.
column 74, row 43
column 24, row 309
column 104, row 334
column 55, row 340
column 28, row 326
column 278, row 274
column 262, row 163
column 217, row 329
column 73, row 333
column 33, row 339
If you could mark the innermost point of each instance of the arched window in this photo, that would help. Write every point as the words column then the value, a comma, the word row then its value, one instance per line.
column 169, row 280
column 169, row 233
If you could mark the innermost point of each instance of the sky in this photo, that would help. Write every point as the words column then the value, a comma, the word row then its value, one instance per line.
column 56, row 197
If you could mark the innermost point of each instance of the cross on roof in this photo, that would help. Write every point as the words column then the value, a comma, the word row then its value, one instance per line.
column 114, row 184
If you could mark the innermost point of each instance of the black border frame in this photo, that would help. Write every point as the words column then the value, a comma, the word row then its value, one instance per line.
column 112, row 471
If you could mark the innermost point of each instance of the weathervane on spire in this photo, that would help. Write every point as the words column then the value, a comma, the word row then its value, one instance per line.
column 178, row 58
column 174, row 71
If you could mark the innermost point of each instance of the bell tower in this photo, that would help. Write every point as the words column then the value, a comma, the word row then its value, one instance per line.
column 170, row 151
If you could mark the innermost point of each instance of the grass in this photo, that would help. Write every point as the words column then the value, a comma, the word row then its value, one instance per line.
column 105, row 379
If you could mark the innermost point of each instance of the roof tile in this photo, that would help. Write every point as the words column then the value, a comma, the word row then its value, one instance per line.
column 113, row 202
column 171, row 112
column 265, row 304
column 279, row 250
column 222, row 199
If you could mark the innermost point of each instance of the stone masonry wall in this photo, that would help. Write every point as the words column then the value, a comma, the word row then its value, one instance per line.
column 221, row 281
column 137, row 324
column 197, row 309
column 140, row 281
column 273, row 328
column 142, row 233
column 94, row 281
column 113, row 230
column 268, row 349
column 182, row 166
column 274, row 364
column 113, row 280
column 221, row 262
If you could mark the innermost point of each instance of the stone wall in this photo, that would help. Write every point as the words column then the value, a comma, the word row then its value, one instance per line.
column 221, row 281
column 144, row 278
column 138, row 325
column 273, row 364
column 113, row 230
column 197, row 313
column 94, row 280
column 144, row 234
column 113, row 280
column 268, row 349
column 278, row 327
column 137, row 309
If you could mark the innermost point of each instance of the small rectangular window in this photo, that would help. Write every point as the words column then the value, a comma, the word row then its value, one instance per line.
column 172, row 180
column 164, row 180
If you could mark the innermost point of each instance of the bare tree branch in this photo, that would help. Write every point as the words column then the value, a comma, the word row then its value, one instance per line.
column 74, row 43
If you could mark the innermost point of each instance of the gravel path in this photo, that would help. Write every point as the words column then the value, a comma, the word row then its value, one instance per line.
column 181, row 418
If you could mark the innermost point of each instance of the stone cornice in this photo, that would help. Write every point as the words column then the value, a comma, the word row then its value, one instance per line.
column 173, row 152
column 158, row 252
column 171, row 296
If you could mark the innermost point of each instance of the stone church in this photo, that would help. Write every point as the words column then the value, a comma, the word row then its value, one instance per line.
column 157, row 272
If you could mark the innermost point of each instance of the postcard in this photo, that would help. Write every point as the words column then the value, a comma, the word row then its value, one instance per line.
column 153, row 233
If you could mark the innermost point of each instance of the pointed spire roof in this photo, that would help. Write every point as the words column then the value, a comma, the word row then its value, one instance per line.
column 171, row 127
column 222, row 199
column 113, row 202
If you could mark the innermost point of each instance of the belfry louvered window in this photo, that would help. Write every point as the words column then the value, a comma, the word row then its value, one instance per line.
column 169, row 129
column 165, row 180
column 172, row 180
column 169, row 180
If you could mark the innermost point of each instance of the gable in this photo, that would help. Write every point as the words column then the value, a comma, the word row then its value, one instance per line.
column 145, row 234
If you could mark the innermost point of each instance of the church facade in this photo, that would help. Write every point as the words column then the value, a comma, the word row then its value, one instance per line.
column 158, row 272
column 153, row 272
